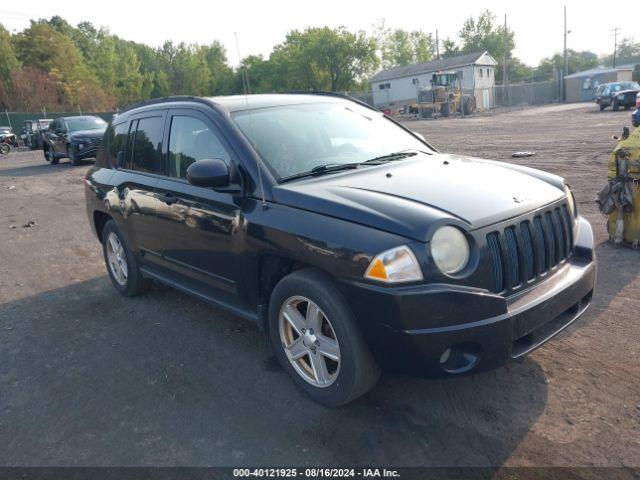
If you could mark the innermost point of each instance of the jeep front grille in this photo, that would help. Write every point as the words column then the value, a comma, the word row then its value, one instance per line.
column 528, row 250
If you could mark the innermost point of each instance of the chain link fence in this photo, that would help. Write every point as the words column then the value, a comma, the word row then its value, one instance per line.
column 524, row 94
column 496, row 97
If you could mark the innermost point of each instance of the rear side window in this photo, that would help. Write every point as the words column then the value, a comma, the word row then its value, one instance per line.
column 145, row 149
column 117, row 142
column 191, row 140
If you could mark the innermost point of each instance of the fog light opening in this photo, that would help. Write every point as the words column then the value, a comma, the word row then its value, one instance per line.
column 460, row 358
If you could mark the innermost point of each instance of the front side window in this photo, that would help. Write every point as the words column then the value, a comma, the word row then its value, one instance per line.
column 146, row 144
column 190, row 140
column 293, row 139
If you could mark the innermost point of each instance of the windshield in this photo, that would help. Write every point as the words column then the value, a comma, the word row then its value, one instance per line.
column 294, row 139
column 85, row 123
column 626, row 86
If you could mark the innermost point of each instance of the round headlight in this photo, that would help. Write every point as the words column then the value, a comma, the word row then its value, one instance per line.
column 450, row 250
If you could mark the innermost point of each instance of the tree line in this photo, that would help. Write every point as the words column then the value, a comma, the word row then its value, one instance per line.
column 56, row 66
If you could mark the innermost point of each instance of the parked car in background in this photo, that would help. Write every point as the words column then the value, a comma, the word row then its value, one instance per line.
column 8, row 136
column 32, row 131
column 351, row 240
column 75, row 138
column 635, row 116
column 617, row 94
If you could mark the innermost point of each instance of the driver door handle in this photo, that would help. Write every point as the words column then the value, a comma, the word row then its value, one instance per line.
column 168, row 198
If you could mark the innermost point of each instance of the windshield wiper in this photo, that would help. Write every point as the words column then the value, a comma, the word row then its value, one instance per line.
column 336, row 167
column 390, row 157
column 321, row 169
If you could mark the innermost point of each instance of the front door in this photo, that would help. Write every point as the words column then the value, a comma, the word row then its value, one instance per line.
column 199, row 225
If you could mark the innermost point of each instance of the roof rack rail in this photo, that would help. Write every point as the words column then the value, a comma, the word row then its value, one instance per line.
column 172, row 98
column 332, row 94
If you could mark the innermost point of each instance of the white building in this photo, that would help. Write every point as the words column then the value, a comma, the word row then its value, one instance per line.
column 400, row 85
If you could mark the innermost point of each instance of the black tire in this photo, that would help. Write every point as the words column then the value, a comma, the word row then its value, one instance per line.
column 135, row 283
column 614, row 106
column 4, row 149
column 49, row 155
column 72, row 157
column 602, row 107
column 358, row 371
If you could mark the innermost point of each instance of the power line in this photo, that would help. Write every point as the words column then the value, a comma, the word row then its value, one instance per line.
column 15, row 14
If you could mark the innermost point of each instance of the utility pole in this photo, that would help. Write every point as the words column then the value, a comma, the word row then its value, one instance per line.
column 437, row 46
column 615, row 44
column 565, row 58
column 505, row 81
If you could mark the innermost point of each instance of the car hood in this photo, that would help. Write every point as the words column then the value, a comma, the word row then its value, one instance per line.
column 87, row 133
column 412, row 196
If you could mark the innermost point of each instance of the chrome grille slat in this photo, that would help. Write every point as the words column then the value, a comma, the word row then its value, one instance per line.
column 496, row 259
column 527, row 240
column 514, row 262
column 523, row 252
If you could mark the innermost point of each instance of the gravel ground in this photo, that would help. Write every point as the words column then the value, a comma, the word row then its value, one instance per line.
column 88, row 378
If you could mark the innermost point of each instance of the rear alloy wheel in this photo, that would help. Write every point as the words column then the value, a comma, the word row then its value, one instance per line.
column 121, row 263
column 116, row 259
column 317, row 341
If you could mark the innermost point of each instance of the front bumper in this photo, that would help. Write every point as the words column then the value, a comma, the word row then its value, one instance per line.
column 448, row 329
column 84, row 153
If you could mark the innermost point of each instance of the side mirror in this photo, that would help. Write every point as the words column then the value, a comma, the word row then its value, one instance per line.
column 211, row 173
column 419, row 135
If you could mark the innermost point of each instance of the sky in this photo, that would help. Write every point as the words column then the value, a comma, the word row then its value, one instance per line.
column 260, row 25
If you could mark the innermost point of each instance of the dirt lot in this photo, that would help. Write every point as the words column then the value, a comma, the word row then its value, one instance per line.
column 90, row 378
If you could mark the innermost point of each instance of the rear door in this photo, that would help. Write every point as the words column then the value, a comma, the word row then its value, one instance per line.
column 199, row 225
column 137, row 176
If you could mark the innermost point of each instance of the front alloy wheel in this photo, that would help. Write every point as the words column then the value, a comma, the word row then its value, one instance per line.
column 317, row 341
column 309, row 341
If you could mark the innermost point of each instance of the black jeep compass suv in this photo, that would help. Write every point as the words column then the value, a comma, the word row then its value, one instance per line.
column 350, row 239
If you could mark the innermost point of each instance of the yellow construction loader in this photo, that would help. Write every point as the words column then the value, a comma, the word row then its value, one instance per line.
column 443, row 98
column 620, row 198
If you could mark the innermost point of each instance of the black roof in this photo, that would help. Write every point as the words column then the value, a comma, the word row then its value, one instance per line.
column 235, row 103
column 433, row 66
